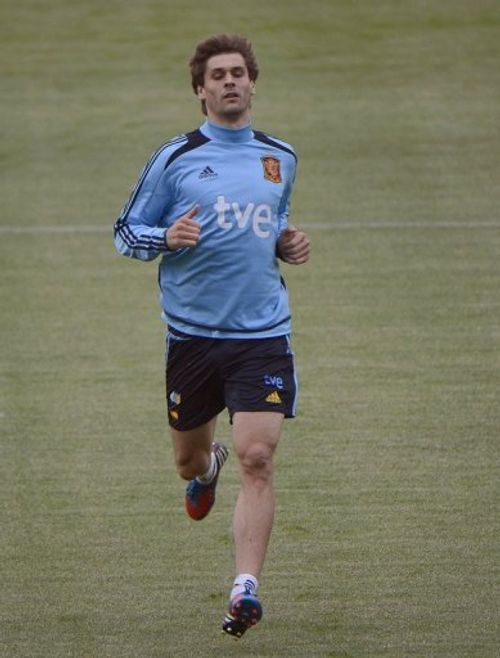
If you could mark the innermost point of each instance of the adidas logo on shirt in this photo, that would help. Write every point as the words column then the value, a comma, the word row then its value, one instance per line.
column 208, row 172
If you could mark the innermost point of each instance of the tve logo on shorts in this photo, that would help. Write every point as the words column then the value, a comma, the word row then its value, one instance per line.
column 261, row 216
column 274, row 381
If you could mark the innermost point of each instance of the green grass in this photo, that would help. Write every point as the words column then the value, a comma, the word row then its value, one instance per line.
column 386, row 538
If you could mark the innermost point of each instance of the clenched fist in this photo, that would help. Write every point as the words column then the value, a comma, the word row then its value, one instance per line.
column 294, row 246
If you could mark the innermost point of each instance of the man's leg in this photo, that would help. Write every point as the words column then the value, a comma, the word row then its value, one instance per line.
column 192, row 449
column 199, row 460
column 255, row 437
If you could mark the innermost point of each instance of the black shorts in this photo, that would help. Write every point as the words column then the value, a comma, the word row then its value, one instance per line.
column 205, row 375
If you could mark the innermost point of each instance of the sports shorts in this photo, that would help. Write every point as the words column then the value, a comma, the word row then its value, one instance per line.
column 206, row 375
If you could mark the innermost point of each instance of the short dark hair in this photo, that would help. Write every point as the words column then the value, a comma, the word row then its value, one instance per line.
column 217, row 45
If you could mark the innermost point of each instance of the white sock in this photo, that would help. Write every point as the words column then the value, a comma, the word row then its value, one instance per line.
column 211, row 472
column 244, row 582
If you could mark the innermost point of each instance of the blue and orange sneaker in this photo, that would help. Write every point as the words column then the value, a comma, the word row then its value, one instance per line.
column 245, row 611
column 200, row 498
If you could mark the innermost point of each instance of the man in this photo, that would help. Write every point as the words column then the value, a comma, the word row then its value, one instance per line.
column 213, row 203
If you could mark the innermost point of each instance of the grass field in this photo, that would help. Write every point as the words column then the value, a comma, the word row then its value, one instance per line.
column 386, row 542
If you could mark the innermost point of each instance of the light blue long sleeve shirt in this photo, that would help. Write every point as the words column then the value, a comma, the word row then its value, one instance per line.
column 229, row 285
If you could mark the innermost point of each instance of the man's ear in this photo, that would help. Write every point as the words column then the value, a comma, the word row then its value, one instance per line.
column 252, row 88
column 200, row 92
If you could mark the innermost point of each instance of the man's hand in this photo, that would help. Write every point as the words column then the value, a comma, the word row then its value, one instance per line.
column 293, row 246
column 184, row 232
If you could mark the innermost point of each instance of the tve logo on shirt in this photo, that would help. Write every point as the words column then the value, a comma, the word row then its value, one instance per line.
column 261, row 216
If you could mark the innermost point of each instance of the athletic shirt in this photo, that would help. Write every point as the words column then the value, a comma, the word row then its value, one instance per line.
column 228, row 285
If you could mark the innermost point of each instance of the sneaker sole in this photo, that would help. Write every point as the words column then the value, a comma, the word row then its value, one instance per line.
column 245, row 612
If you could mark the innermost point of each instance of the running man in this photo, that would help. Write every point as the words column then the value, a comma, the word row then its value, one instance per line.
column 213, row 204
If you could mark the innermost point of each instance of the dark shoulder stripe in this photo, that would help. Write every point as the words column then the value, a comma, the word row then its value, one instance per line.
column 265, row 139
column 149, row 164
column 194, row 139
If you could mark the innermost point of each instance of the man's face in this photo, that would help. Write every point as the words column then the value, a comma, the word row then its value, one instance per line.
column 227, row 89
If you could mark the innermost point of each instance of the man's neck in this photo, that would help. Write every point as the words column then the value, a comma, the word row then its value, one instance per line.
column 229, row 122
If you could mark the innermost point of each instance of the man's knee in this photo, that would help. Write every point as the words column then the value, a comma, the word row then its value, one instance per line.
column 186, row 467
column 190, row 464
column 256, row 435
column 256, row 460
column 192, row 450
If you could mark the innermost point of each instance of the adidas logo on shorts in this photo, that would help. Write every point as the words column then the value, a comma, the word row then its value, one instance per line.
column 274, row 398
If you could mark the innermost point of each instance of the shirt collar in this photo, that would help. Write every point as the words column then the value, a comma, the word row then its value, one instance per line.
column 228, row 135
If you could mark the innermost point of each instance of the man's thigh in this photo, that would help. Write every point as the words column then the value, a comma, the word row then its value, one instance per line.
column 256, row 430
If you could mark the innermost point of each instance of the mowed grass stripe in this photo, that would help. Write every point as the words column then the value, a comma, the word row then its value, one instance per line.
column 317, row 226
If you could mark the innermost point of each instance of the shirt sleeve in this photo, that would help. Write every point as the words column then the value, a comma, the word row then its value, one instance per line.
column 139, row 231
column 284, row 207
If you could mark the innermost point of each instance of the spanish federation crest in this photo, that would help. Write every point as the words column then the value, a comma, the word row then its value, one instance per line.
column 272, row 169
